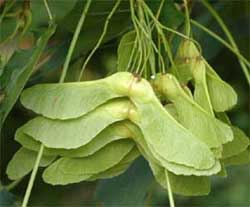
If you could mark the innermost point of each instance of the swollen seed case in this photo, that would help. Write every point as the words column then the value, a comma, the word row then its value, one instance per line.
column 96, row 129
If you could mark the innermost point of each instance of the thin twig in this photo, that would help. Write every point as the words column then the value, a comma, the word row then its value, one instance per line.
column 74, row 40
column 170, row 192
column 48, row 10
column 219, row 39
column 228, row 34
column 100, row 39
column 187, row 23
column 32, row 177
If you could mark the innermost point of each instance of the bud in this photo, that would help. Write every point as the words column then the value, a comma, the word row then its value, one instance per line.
column 186, row 52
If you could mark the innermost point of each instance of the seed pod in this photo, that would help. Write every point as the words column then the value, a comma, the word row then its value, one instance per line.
column 207, row 128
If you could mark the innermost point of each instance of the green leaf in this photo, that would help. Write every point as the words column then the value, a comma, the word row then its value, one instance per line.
column 94, row 23
column 124, row 50
column 59, row 10
column 206, row 127
column 23, row 162
column 7, row 49
column 18, row 71
column 8, row 199
column 112, row 133
column 183, row 185
column 170, row 16
column 129, row 188
column 239, row 144
column 223, row 96
column 74, row 133
column 8, row 29
column 72, row 170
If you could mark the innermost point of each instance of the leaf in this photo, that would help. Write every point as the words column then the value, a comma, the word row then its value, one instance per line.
column 119, row 168
column 9, row 28
column 97, row 14
column 73, row 170
column 239, row 144
column 74, row 133
column 94, row 24
column 207, row 128
column 125, row 189
column 7, row 49
column 110, row 134
column 170, row 16
column 125, row 49
column 18, row 71
column 223, row 96
column 23, row 162
column 8, row 199
column 182, row 185
column 59, row 10
column 242, row 158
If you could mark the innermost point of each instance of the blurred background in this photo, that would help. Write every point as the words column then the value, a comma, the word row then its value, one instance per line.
column 137, row 186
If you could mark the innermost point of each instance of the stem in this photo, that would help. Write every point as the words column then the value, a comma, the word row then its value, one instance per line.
column 33, row 176
column 74, row 40
column 161, row 33
column 228, row 34
column 160, row 9
column 187, row 23
column 170, row 192
column 48, row 9
column 138, row 36
column 132, row 53
column 13, row 184
column 219, row 39
column 40, row 153
column 100, row 39
column 65, row 68
column 7, row 7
